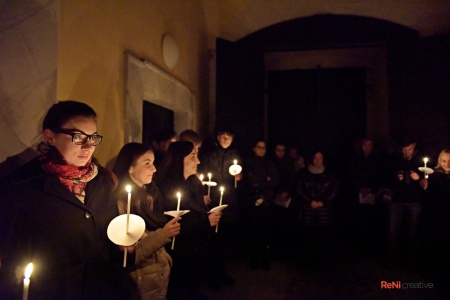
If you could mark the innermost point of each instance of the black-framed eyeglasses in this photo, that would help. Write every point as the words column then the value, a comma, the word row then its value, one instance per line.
column 79, row 138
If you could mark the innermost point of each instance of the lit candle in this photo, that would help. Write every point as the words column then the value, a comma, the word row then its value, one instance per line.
column 125, row 252
column 201, row 177
column 26, row 280
column 209, row 185
column 178, row 208
column 179, row 200
column 425, row 160
column 221, row 195
column 220, row 203
column 128, row 188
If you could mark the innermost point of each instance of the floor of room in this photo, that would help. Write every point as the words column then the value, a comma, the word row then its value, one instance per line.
column 344, row 271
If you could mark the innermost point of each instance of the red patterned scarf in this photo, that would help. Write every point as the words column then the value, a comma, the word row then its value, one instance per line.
column 73, row 177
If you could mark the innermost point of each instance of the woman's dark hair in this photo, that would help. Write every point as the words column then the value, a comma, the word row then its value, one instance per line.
column 173, row 163
column 127, row 157
column 190, row 136
column 309, row 157
column 63, row 111
column 142, row 200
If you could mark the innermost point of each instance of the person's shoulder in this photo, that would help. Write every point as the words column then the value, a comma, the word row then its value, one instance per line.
column 27, row 172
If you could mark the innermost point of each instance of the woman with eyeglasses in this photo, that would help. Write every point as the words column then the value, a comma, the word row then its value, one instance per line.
column 55, row 212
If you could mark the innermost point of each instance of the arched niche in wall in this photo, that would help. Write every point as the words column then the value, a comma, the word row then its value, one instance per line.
column 147, row 82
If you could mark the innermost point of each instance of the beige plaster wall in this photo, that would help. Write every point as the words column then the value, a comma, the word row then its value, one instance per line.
column 93, row 36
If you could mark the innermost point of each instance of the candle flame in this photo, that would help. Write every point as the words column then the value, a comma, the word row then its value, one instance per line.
column 178, row 195
column 425, row 159
column 28, row 271
column 128, row 188
column 222, row 189
column 201, row 177
column 235, row 161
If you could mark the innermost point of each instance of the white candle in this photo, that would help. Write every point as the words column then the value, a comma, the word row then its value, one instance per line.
column 26, row 280
column 179, row 200
column 178, row 208
column 221, row 195
column 220, row 203
column 128, row 188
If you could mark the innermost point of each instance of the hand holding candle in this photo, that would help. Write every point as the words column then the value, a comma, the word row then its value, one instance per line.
column 234, row 170
column 26, row 280
column 427, row 171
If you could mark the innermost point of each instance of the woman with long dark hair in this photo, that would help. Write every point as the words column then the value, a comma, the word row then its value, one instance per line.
column 191, row 252
column 150, row 269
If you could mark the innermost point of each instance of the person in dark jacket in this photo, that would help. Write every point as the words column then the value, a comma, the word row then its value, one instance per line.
column 435, row 222
column 260, row 179
column 317, row 187
column 56, row 210
column 191, row 253
column 217, row 161
column 405, row 207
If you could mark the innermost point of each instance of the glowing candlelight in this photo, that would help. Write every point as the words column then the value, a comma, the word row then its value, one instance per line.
column 201, row 177
column 128, row 189
column 178, row 208
column 221, row 195
column 125, row 252
column 235, row 170
column 425, row 160
column 179, row 200
column 26, row 280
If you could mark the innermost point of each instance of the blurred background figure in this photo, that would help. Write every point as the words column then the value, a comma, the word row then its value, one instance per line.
column 260, row 180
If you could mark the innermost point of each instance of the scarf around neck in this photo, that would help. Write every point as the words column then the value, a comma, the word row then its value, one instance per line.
column 316, row 170
column 73, row 177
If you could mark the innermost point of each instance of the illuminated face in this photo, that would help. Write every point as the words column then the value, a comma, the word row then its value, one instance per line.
column 408, row 151
column 77, row 155
column 190, row 163
column 280, row 151
column 260, row 149
column 318, row 160
column 141, row 172
column 444, row 162
column 225, row 140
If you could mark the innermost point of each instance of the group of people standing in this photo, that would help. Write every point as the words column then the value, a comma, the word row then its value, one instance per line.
column 55, row 210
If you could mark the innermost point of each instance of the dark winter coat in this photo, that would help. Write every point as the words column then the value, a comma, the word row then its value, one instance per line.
column 44, row 223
